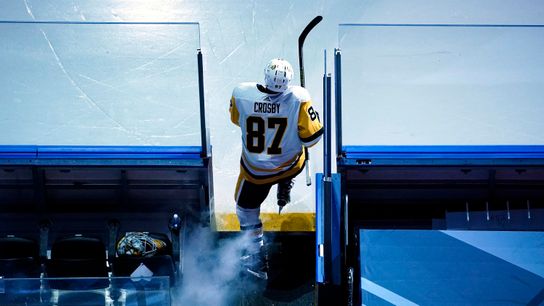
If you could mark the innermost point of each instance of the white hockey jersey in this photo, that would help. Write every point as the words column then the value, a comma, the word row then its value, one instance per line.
column 274, row 129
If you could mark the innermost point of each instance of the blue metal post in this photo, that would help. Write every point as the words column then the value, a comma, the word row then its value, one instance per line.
column 330, row 226
column 338, row 99
column 327, row 188
column 328, row 213
column 203, row 127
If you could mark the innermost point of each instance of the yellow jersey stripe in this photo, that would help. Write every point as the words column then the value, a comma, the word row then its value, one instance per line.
column 281, row 167
column 234, row 114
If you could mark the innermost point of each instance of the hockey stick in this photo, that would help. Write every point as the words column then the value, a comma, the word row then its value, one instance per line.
column 301, row 40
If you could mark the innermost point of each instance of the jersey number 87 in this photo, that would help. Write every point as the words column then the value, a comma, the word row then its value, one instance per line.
column 256, row 133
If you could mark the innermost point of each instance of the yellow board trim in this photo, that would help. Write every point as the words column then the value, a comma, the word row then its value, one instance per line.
column 272, row 222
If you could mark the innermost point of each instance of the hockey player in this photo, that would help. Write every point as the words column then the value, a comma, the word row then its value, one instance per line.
column 277, row 120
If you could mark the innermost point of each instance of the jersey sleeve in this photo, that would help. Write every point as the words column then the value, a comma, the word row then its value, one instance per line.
column 310, row 128
column 234, row 114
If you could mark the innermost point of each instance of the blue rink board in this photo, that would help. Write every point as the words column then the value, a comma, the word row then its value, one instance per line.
column 101, row 155
column 444, row 155
column 424, row 267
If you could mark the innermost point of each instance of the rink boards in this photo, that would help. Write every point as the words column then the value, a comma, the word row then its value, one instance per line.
column 140, row 186
column 438, row 224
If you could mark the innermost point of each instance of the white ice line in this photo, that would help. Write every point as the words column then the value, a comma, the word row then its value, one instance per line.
column 98, row 82
column 158, row 58
column 498, row 250
column 230, row 54
column 84, row 95
column 28, row 10
column 381, row 292
column 73, row 82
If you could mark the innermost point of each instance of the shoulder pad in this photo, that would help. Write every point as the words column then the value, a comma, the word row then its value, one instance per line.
column 300, row 93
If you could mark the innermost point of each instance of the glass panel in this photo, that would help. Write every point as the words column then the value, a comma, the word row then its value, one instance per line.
column 442, row 84
column 150, row 291
column 99, row 83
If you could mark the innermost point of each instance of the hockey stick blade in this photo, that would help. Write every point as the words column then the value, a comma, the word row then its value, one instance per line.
column 308, row 170
column 301, row 40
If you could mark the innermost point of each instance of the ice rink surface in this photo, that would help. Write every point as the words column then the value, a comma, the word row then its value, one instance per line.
column 237, row 39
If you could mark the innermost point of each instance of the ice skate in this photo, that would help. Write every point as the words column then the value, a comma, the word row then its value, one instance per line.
column 284, row 193
column 256, row 264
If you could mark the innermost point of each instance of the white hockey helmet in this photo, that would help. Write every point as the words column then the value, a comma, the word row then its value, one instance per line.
column 278, row 74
